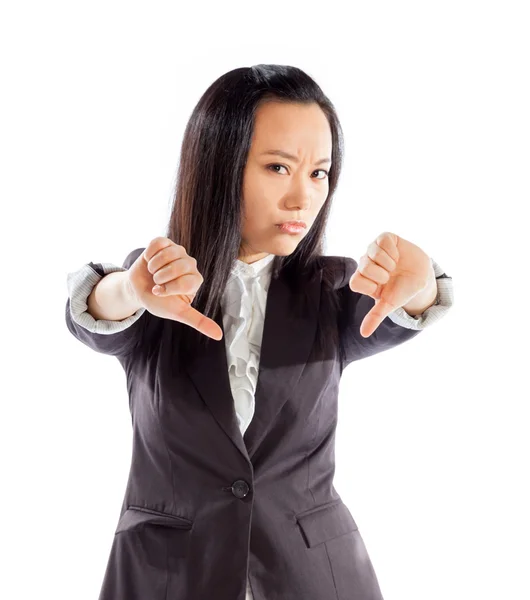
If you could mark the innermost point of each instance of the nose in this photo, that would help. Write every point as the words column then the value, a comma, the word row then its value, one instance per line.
column 299, row 199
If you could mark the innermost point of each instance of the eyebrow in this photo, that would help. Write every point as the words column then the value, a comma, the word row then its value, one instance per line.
column 294, row 158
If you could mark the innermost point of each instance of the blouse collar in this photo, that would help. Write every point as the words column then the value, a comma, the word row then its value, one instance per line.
column 244, row 270
column 244, row 281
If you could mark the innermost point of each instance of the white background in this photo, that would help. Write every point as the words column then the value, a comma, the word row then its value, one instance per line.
column 432, row 442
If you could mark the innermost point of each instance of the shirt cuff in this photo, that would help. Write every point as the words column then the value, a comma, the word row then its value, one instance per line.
column 80, row 284
column 443, row 302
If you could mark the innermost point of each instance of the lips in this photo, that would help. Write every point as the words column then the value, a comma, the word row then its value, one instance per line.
column 293, row 224
column 288, row 228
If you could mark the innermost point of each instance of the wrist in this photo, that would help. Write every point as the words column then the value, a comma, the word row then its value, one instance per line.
column 424, row 299
column 129, row 295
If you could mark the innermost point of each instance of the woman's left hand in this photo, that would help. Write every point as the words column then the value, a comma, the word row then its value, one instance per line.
column 392, row 272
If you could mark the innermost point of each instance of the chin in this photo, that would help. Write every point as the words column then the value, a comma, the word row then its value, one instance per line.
column 284, row 249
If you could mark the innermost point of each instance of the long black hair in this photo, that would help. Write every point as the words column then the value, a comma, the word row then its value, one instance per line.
column 206, row 211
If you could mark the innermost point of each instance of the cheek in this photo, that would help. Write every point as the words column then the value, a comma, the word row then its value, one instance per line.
column 259, row 208
column 252, row 223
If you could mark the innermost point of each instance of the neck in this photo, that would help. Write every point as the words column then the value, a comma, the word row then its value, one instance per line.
column 252, row 258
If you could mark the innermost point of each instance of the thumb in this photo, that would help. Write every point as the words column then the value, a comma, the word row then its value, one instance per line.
column 193, row 318
column 375, row 317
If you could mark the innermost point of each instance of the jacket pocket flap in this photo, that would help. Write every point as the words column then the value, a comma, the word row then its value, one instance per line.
column 136, row 516
column 325, row 523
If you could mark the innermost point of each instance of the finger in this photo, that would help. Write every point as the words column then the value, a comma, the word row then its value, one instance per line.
column 192, row 317
column 167, row 255
column 359, row 283
column 155, row 245
column 369, row 269
column 189, row 283
column 389, row 243
column 381, row 257
column 174, row 270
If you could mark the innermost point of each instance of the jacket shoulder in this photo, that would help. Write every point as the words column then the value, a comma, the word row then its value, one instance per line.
column 337, row 270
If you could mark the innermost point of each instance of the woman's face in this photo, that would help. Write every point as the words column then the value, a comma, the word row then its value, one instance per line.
column 278, row 189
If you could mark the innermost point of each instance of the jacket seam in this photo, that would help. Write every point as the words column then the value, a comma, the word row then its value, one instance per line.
column 315, row 435
column 342, row 353
column 163, row 438
column 331, row 570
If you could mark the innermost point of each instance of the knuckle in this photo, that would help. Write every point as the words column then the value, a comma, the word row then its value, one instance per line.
column 184, row 285
column 156, row 245
column 157, row 241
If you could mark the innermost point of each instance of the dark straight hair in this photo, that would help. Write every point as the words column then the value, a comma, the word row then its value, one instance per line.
column 207, row 206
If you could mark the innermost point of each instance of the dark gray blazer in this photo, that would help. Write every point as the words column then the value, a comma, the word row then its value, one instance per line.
column 205, row 506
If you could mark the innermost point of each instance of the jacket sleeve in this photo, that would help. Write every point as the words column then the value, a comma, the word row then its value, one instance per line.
column 396, row 328
column 116, row 338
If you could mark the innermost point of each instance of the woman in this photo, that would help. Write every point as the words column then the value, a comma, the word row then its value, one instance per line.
column 233, row 330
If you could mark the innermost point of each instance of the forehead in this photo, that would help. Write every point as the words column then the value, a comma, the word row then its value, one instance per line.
column 291, row 127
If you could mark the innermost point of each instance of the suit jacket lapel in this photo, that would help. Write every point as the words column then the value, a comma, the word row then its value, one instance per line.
column 286, row 344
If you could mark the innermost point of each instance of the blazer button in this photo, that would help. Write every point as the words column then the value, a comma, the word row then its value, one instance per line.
column 240, row 488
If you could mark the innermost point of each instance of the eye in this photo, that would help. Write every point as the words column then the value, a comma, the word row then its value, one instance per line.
column 276, row 165
column 284, row 167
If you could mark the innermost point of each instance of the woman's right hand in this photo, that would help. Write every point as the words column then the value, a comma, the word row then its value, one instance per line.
column 166, row 264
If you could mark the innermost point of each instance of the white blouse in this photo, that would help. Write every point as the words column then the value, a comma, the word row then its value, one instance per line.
column 243, row 306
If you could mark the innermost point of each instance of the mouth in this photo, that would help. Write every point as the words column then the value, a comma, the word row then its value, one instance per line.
column 291, row 227
column 294, row 224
